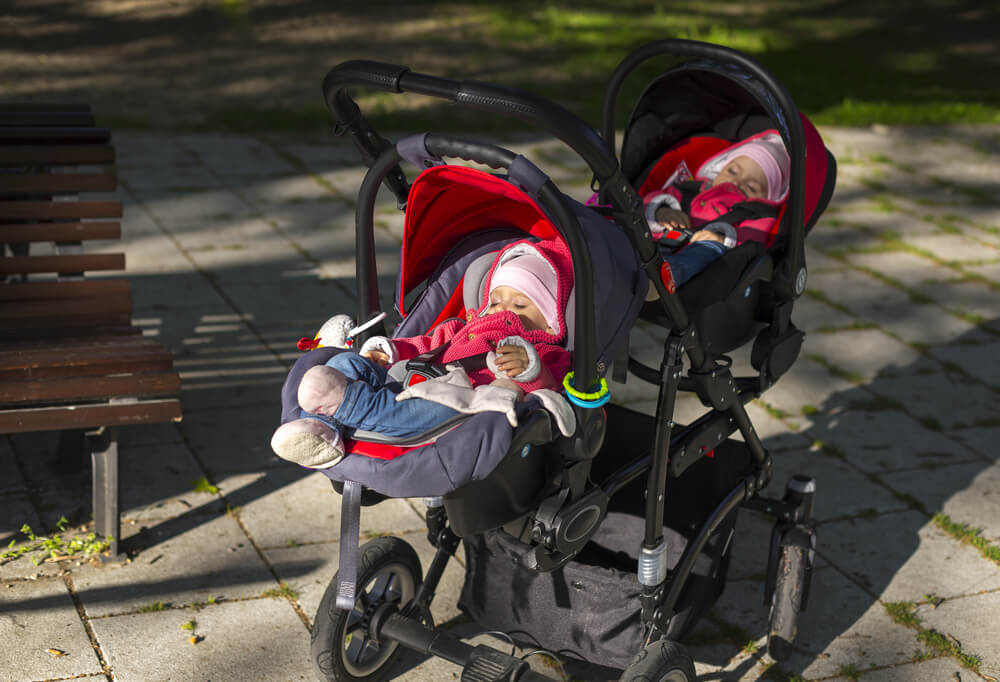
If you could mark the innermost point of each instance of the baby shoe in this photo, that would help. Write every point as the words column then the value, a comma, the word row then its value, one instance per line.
column 308, row 442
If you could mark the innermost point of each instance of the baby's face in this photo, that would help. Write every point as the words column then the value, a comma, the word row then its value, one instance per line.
column 510, row 299
column 746, row 174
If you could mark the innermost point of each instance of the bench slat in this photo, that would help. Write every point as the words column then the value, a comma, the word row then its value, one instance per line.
column 88, row 416
column 39, row 327
column 56, row 154
column 87, row 262
column 134, row 362
column 88, row 388
column 83, row 353
column 42, row 117
column 67, row 343
column 59, row 210
column 58, row 183
column 28, row 310
column 41, row 291
column 60, row 232
column 82, row 328
column 53, row 134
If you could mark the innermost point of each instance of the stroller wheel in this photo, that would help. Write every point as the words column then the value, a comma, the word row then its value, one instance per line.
column 342, row 649
column 786, row 604
column 661, row 661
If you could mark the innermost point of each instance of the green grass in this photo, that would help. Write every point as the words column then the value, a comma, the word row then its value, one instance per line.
column 845, row 62
column 968, row 535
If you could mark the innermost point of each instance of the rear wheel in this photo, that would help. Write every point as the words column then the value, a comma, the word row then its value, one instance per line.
column 662, row 661
column 342, row 648
column 786, row 604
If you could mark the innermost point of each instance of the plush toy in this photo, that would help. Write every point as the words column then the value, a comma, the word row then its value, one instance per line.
column 337, row 332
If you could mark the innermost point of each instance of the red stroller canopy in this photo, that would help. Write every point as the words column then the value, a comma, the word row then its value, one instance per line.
column 447, row 203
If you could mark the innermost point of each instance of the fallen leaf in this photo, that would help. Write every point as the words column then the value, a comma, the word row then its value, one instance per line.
column 57, row 652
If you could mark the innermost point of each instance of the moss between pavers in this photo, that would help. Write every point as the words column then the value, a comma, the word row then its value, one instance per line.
column 905, row 613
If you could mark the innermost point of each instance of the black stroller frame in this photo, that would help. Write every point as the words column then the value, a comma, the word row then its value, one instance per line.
column 564, row 522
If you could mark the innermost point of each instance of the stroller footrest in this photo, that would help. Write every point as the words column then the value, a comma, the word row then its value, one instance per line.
column 489, row 665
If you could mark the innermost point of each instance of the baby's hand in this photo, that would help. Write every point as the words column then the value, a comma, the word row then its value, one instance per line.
column 511, row 359
column 671, row 217
column 378, row 357
column 707, row 236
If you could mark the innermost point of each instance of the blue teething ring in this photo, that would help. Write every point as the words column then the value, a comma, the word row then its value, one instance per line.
column 588, row 400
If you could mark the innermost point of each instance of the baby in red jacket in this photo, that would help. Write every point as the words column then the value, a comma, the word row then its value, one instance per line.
column 520, row 329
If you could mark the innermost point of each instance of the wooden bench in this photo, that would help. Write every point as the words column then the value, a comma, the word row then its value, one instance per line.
column 70, row 358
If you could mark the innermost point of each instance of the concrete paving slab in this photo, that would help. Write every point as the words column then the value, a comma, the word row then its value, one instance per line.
column 863, row 352
column 968, row 402
column 971, row 300
column 972, row 622
column 841, row 491
column 186, row 561
column 983, row 440
column 42, row 633
column 807, row 387
column 325, row 556
column 234, row 155
column 902, row 557
column 967, row 493
column 158, row 482
column 290, row 504
column 235, row 440
column 909, row 269
column 842, row 625
column 934, row 670
column 977, row 360
column 876, row 440
column 812, row 315
column 955, row 248
column 252, row 639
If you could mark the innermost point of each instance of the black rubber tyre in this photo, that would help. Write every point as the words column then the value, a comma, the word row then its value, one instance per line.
column 662, row 661
column 389, row 571
column 786, row 604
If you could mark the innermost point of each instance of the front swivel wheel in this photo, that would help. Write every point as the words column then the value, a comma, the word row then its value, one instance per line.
column 342, row 647
column 661, row 661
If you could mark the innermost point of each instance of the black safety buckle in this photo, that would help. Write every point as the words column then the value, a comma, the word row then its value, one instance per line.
column 422, row 368
column 674, row 238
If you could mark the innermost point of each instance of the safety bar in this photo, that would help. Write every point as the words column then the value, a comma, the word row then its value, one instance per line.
column 789, row 282
column 538, row 111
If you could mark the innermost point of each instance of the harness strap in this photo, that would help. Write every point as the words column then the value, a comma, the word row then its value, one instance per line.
column 350, row 532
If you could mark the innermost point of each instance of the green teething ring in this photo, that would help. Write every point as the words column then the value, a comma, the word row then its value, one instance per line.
column 595, row 399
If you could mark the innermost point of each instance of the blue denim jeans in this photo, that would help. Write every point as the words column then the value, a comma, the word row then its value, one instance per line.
column 370, row 402
column 692, row 259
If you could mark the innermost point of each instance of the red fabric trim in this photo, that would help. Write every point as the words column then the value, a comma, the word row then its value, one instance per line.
column 447, row 203
column 376, row 450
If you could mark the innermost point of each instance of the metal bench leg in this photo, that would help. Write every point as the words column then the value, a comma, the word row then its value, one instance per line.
column 104, row 461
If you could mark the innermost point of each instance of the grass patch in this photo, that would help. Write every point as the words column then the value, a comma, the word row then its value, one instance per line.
column 56, row 546
column 203, row 486
column 905, row 614
column 849, row 671
column 153, row 608
column 284, row 591
column 966, row 534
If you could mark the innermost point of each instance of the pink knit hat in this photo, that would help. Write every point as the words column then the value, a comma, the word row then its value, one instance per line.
column 534, row 278
column 769, row 153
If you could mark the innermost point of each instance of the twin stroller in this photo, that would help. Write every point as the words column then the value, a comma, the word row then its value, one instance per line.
column 591, row 530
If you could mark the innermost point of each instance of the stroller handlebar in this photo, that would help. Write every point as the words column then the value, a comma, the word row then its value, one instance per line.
column 536, row 110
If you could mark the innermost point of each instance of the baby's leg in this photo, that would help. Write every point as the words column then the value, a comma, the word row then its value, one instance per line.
column 376, row 409
column 322, row 388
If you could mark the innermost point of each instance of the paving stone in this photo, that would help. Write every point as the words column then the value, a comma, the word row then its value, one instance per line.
column 325, row 556
column 263, row 638
column 941, row 400
column 981, row 439
column 926, row 325
column 842, row 625
column 967, row 493
column 235, row 155
column 806, row 388
column 158, row 482
column 185, row 561
column 235, row 440
column 291, row 504
column 886, row 439
column 978, row 361
column 966, row 299
column 16, row 511
column 903, row 556
column 811, row 315
column 954, row 247
column 972, row 621
column 862, row 352
column 37, row 616
column 840, row 489
column 934, row 670
column 908, row 269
